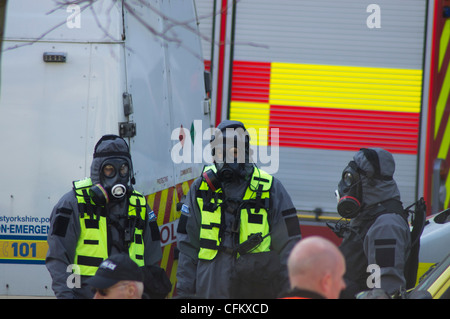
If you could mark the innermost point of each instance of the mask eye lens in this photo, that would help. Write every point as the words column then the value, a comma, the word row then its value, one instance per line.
column 348, row 178
column 218, row 156
column 124, row 170
column 232, row 154
column 109, row 170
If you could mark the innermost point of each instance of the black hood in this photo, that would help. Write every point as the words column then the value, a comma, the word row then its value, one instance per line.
column 109, row 146
column 377, row 190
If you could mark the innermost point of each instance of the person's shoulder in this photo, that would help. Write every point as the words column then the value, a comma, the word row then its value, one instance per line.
column 196, row 183
column 67, row 197
column 390, row 218
column 67, row 203
column 277, row 185
column 390, row 222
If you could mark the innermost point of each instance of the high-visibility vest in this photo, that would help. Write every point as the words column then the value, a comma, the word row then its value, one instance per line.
column 92, row 246
column 253, row 214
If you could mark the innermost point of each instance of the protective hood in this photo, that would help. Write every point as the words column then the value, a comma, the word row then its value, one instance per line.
column 232, row 133
column 108, row 147
column 377, row 182
column 231, row 167
column 230, row 124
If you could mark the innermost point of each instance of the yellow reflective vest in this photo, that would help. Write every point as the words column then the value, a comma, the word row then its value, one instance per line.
column 92, row 246
column 253, row 214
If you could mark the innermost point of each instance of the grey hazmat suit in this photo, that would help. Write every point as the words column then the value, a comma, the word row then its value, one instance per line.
column 379, row 234
column 65, row 228
column 211, row 278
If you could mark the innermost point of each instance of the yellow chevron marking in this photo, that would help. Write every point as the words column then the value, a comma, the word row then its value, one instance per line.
column 173, row 277
column 445, row 144
column 447, row 195
column 443, row 43
column 442, row 102
column 165, row 256
column 162, row 206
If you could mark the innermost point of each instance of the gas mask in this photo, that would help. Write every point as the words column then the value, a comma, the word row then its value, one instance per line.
column 230, row 162
column 230, row 149
column 114, row 182
column 372, row 170
column 228, row 170
column 349, row 192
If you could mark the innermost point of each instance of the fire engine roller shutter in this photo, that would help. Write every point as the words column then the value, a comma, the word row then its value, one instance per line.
column 331, row 85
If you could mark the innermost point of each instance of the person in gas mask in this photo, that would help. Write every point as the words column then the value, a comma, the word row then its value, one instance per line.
column 102, row 215
column 237, row 226
column 377, row 236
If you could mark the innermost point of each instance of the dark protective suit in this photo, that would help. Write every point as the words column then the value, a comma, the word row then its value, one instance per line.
column 211, row 279
column 63, row 237
column 379, row 234
column 223, row 273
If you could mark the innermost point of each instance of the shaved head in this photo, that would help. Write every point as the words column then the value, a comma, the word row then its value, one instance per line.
column 316, row 264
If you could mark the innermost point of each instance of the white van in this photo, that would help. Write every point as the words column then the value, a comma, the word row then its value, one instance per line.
column 72, row 73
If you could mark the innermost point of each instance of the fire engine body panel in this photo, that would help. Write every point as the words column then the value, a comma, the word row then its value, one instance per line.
column 333, row 77
column 71, row 74
column 330, row 83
